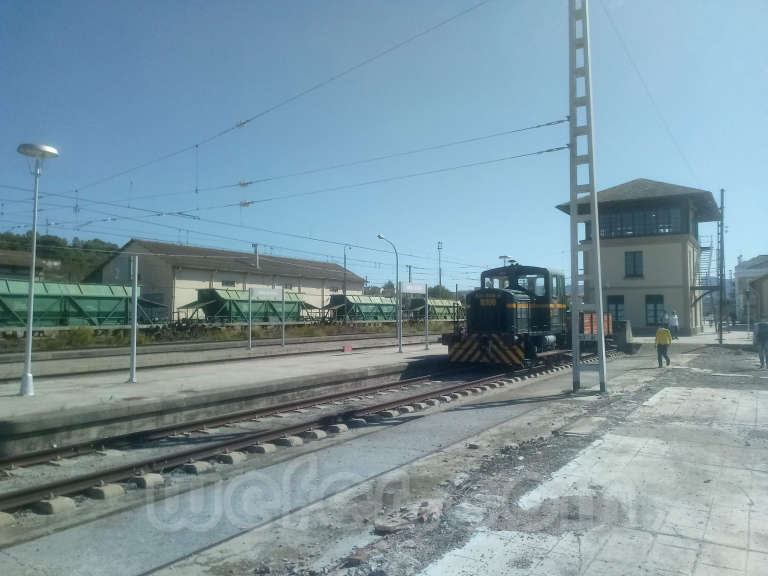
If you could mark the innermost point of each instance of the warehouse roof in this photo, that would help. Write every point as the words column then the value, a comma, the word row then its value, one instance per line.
column 17, row 258
column 760, row 261
column 644, row 189
column 235, row 261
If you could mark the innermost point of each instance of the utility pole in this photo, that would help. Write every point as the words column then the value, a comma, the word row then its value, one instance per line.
column 585, row 227
column 345, row 282
column 721, row 265
column 134, row 316
column 409, row 266
column 439, row 263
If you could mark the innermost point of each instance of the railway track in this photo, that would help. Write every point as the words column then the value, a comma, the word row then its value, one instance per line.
column 192, row 449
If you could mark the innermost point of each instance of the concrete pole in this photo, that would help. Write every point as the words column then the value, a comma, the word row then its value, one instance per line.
column 398, row 307
column 721, row 267
column 426, row 316
column 134, row 316
column 748, row 294
column 282, row 316
column 27, row 381
column 440, row 263
column 250, row 318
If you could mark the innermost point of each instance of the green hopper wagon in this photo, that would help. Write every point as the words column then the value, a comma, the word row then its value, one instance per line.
column 231, row 307
column 58, row 304
column 356, row 308
column 438, row 309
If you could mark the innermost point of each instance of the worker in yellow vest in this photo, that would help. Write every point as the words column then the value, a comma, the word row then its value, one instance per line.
column 663, row 340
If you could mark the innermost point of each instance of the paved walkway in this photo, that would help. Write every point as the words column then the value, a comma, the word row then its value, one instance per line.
column 158, row 384
column 679, row 489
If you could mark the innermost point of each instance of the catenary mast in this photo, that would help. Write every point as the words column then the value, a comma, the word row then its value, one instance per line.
column 585, row 236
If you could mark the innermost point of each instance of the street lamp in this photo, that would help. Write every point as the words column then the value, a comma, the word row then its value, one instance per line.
column 440, row 263
column 397, row 296
column 504, row 259
column 39, row 153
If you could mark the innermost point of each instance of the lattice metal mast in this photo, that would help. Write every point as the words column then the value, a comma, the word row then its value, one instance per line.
column 585, row 227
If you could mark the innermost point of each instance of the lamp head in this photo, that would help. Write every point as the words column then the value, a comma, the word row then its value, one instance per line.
column 37, row 151
column 379, row 236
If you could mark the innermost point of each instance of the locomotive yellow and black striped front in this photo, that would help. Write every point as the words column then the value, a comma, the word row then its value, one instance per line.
column 486, row 348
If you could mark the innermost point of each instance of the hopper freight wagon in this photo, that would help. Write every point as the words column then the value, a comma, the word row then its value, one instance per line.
column 63, row 305
column 222, row 306
column 439, row 309
column 358, row 308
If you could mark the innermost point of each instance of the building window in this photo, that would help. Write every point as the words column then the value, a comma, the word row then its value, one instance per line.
column 633, row 264
column 616, row 307
column 288, row 286
column 228, row 283
column 654, row 309
column 640, row 222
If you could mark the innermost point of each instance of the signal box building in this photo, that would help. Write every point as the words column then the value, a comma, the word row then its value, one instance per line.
column 651, row 253
column 171, row 274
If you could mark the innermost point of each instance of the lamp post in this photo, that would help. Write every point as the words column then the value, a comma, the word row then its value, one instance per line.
column 346, row 316
column 397, row 296
column 440, row 263
column 39, row 153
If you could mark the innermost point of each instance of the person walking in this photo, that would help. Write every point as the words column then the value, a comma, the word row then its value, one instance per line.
column 760, row 339
column 674, row 324
column 663, row 340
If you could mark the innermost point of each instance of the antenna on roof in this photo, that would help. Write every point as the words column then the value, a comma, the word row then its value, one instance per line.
column 256, row 251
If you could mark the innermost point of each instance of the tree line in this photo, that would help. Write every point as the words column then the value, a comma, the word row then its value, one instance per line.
column 80, row 259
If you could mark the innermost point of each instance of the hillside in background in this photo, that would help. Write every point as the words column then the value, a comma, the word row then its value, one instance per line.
column 79, row 258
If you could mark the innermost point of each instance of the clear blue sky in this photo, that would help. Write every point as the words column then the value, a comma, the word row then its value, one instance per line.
column 113, row 85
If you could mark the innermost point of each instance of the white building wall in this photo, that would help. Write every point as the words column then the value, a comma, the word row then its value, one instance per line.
column 317, row 292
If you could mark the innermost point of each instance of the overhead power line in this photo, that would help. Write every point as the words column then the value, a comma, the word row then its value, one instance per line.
column 285, row 101
column 244, row 203
column 305, row 172
column 390, row 156
column 110, row 217
column 648, row 93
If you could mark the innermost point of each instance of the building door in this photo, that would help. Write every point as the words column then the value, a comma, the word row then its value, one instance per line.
column 654, row 309
column 616, row 306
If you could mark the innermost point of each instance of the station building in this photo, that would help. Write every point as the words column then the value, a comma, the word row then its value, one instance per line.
column 651, row 255
column 171, row 274
column 751, row 283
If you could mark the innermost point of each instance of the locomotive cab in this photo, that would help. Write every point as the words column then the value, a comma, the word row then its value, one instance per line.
column 546, row 290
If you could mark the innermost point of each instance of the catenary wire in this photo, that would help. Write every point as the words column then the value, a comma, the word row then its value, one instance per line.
column 648, row 93
column 285, row 101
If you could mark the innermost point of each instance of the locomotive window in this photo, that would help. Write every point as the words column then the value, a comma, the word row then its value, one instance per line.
column 496, row 283
column 533, row 284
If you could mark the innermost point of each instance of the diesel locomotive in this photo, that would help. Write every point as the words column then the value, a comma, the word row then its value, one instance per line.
column 518, row 315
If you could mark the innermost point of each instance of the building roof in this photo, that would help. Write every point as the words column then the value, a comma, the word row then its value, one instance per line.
column 17, row 258
column 753, row 263
column 235, row 261
column 644, row 189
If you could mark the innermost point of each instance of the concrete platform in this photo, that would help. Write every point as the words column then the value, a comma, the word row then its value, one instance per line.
column 74, row 410
column 88, row 360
